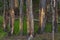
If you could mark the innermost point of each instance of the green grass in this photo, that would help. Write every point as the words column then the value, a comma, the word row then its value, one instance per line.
column 35, row 27
column 48, row 27
column 1, row 21
column 16, row 27
column 2, row 33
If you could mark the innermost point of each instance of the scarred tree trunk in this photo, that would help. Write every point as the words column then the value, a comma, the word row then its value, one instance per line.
column 16, row 8
column 11, row 16
column 30, row 22
column 21, row 17
column 42, row 9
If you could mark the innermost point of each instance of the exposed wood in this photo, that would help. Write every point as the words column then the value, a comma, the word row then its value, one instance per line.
column 12, row 16
column 42, row 9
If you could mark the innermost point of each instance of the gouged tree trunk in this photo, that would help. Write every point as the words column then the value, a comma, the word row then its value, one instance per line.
column 11, row 16
column 42, row 9
column 21, row 17
column 16, row 8
column 30, row 22
column 12, row 20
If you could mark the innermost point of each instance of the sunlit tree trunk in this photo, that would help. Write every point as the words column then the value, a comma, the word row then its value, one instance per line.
column 30, row 22
column 54, row 17
column 21, row 17
column 42, row 9
column 11, row 16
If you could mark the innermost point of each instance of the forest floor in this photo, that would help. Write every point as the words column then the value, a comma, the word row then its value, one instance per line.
column 45, row 36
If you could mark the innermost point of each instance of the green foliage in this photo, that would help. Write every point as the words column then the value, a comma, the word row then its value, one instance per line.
column 37, row 1
column 1, row 4
column 37, row 10
column 1, row 21
column 35, row 27
column 16, row 27
column 24, row 26
column 48, row 27
column 2, row 33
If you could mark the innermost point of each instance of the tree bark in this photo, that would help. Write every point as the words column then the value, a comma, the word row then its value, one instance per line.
column 4, row 25
column 12, row 16
column 21, row 17
column 16, row 8
column 5, row 16
column 16, row 3
column 54, row 17
column 30, row 18
column 42, row 9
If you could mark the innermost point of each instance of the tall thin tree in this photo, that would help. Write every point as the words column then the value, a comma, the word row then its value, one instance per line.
column 5, row 15
column 54, row 17
column 12, row 16
column 42, row 9
column 21, row 17
column 4, row 25
column 30, row 22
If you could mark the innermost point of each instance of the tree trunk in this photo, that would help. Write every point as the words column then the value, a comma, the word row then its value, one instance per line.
column 16, row 3
column 5, row 15
column 16, row 8
column 11, row 16
column 42, row 9
column 4, row 25
column 21, row 17
column 30, row 22
column 54, row 17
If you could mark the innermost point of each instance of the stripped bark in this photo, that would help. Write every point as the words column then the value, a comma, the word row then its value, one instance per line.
column 42, row 9
column 11, row 16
